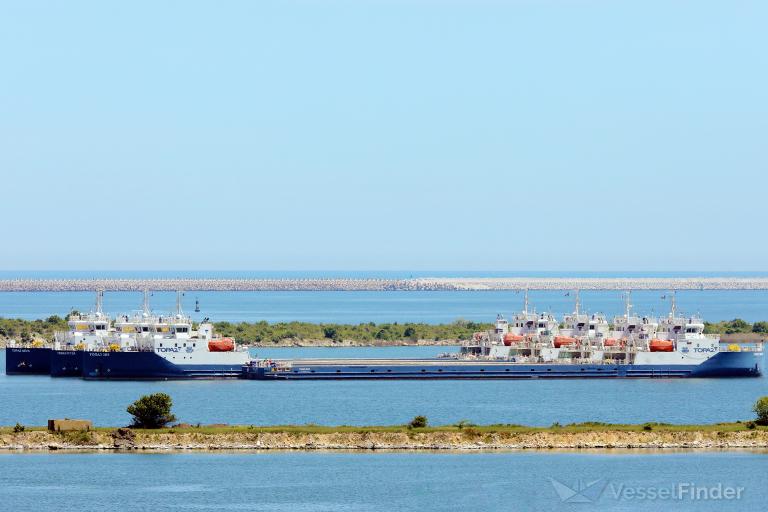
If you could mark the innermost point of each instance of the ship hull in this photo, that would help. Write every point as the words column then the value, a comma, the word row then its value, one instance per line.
column 150, row 366
column 720, row 365
column 67, row 363
column 27, row 361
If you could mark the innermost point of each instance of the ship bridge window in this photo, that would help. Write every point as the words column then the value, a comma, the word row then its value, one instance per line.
column 145, row 329
column 542, row 325
column 100, row 327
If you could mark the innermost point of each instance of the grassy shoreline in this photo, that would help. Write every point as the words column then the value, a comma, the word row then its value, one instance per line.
column 462, row 437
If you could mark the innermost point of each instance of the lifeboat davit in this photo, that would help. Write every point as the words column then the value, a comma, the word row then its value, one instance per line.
column 561, row 341
column 512, row 338
column 610, row 342
column 221, row 345
column 662, row 346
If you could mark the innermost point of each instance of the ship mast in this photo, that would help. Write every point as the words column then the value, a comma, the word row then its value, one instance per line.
column 673, row 309
column 578, row 302
column 628, row 303
column 179, row 295
column 99, row 300
column 525, row 302
column 145, row 304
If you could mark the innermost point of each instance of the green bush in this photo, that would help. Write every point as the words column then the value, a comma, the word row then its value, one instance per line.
column 18, row 428
column 77, row 437
column 152, row 411
column 418, row 422
column 761, row 409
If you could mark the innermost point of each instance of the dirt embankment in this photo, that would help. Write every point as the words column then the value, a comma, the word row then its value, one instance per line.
column 466, row 440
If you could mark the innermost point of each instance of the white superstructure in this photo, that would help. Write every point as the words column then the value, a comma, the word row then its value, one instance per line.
column 87, row 331
column 582, row 325
column 172, row 337
column 677, row 341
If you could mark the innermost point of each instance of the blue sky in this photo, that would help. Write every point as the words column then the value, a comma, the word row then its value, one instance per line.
column 422, row 134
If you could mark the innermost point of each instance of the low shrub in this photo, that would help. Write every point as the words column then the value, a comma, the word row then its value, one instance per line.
column 418, row 422
column 761, row 409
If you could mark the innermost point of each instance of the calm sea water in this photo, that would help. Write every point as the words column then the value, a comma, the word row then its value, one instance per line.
column 388, row 306
column 336, row 482
column 355, row 307
column 31, row 400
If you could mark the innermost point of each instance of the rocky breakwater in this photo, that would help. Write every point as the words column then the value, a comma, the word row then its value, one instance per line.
column 414, row 284
column 468, row 439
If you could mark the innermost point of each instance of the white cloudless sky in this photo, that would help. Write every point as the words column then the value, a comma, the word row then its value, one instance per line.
column 423, row 134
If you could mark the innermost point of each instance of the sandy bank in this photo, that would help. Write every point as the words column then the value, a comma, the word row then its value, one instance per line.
column 467, row 440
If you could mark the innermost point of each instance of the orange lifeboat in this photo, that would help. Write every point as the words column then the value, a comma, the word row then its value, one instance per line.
column 609, row 342
column 561, row 341
column 221, row 345
column 512, row 338
column 662, row 346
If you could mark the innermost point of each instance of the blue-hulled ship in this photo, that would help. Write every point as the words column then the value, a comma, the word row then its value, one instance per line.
column 87, row 331
column 153, row 347
column 27, row 359
column 534, row 346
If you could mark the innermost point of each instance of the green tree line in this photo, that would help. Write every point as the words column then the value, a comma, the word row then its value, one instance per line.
column 266, row 332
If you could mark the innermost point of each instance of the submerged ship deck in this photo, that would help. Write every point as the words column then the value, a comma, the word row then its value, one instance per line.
column 316, row 369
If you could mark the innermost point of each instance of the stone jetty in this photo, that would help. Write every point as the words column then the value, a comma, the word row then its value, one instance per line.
column 415, row 284
column 467, row 440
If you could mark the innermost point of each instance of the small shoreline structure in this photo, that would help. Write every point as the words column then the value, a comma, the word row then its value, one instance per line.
column 413, row 284
column 399, row 438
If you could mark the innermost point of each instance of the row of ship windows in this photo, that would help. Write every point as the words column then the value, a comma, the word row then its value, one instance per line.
column 146, row 329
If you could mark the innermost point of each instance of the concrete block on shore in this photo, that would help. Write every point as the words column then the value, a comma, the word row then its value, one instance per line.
column 67, row 425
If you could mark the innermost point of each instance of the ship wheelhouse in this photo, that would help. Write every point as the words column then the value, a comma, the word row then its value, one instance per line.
column 85, row 330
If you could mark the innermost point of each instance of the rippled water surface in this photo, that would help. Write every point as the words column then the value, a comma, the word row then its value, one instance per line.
column 389, row 306
column 383, row 482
